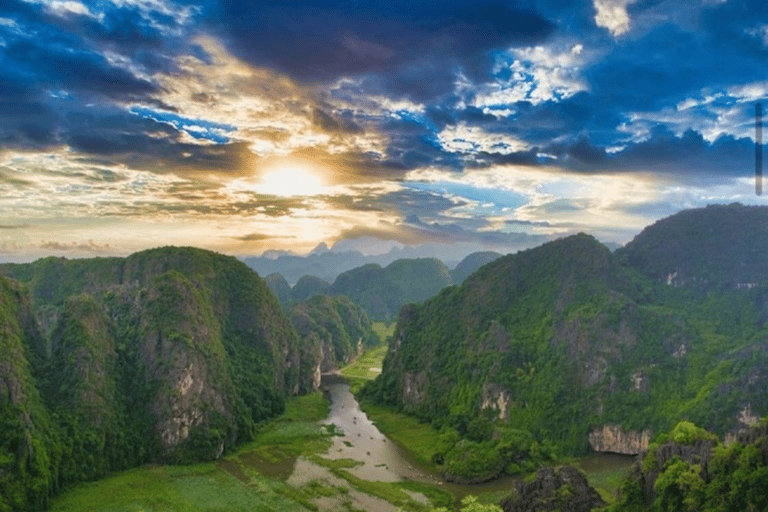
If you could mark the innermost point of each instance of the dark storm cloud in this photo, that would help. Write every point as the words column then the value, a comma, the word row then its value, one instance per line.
column 79, row 71
column 688, row 155
column 26, row 119
column 733, row 22
column 151, row 145
column 65, row 77
column 52, row 63
column 676, row 157
column 419, row 42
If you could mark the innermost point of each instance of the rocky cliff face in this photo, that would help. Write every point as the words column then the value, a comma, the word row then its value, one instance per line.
column 614, row 439
column 336, row 326
column 181, row 350
column 568, row 342
column 168, row 355
column 689, row 469
column 564, row 489
column 497, row 398
column 28, row 438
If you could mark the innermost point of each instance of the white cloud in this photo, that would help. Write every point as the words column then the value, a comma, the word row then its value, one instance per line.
column 712, row 113
column 63, row 8
column 472, row 139
column 759, row 32
column 537, row 75
column 749, row 92
column 612, row 14
column 268, row 110
column 182, row 14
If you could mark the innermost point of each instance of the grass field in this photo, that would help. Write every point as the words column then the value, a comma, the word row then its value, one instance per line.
column 368, row 366
column 209, row 487
column 202, row 487
column 607, row 482
column 384, row 331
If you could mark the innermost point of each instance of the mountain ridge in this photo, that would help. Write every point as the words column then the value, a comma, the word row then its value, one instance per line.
column 559, row 342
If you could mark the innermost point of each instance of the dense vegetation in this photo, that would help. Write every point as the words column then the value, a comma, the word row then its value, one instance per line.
column 339, row 328
column 279, row 287
column 309, row 286
column 689, row 469
column 170, row 354
column 180, row 354
column 305, row 288
column 471, row 263
column 717, row 248
column 535, row 350
column 381, row 292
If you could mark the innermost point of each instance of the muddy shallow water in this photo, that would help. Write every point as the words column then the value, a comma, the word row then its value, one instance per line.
column 382, row 459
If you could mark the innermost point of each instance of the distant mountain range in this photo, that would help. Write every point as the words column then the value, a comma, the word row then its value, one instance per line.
column 327, row 263
column 382, row 292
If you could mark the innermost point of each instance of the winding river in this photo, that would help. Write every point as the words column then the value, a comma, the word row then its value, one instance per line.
column 382, row 459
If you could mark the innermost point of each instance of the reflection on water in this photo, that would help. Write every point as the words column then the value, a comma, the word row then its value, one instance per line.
column 602, row 462
column 383, row 460
column 279, row 466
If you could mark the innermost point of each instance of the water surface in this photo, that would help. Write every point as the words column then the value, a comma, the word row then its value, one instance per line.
column 382, row 459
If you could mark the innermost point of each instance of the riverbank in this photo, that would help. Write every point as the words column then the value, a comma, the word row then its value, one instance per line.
column 300, row 462
column 293, row 465
column 421, row 441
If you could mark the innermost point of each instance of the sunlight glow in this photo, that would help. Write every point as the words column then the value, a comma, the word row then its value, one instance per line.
column 291, row 181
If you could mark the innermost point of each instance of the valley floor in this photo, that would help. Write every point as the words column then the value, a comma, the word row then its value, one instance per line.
column 287, row 469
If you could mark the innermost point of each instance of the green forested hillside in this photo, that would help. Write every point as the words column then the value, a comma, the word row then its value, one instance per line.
column 471, row 263
column 279, row 287
column 537, row 351
column 717, row 248
column 690, row 469
column 171, row 354
column 383, row 291
column 340, row 328
column 307, row 287
column 30, row 452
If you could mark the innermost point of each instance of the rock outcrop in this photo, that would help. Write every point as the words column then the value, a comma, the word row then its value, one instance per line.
column 563, row 489
column 614, row 439
column 498, row 398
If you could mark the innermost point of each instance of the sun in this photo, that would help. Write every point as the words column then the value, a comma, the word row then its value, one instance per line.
column 290, row 181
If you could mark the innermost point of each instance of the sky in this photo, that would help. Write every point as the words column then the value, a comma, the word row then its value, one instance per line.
column 252, row 126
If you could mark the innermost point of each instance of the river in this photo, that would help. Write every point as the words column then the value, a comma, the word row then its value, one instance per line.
column 382, row 459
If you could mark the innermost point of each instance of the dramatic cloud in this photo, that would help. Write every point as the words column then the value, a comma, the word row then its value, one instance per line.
column 250, row 126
